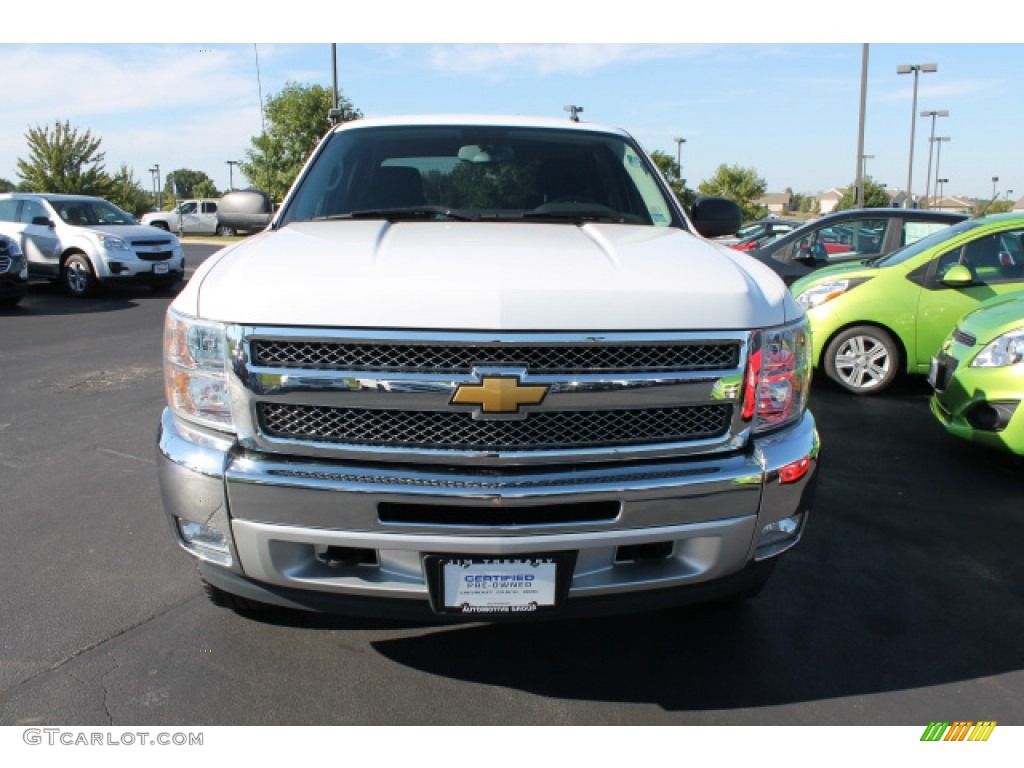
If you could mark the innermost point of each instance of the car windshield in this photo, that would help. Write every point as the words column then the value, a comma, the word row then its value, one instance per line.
column 922, row 245
column 481, row 173
column 86, row 212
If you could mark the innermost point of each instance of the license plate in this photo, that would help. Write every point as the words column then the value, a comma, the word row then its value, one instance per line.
column 479, row 585
column 159, row 269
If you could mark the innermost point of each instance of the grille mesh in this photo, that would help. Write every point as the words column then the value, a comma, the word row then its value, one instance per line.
column 962, row 337
column 460, row 432
column 454, row 358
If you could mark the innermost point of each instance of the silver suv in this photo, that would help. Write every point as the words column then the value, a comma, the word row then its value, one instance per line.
column 84, row 241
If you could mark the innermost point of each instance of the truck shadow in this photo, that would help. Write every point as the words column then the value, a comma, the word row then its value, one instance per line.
column 909, row 576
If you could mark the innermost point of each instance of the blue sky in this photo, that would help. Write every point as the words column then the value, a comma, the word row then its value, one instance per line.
column 787, row 107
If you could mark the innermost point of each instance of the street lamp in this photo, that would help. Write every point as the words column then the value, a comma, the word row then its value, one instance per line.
column 942, row 187
column 994, row 180
column 1008, row 193
column 157, row 197
column 574, row 112
column 938, row 157
column 933, row 113
column 679, row 156
column 906, row 69
column 231, row 173
column 864, row 164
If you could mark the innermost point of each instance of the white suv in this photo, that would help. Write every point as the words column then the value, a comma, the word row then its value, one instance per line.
column 83, row 241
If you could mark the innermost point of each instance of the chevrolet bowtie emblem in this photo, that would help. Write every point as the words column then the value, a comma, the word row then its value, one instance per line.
column 499, row 395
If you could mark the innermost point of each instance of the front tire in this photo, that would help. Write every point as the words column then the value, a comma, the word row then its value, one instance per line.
column 863, row 360
column 79, row 279
column 224, row 231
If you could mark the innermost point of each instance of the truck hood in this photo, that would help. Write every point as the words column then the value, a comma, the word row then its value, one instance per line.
column 483, row 276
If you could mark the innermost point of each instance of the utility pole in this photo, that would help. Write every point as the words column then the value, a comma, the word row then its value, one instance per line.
column 916, row 69
column 858, row 201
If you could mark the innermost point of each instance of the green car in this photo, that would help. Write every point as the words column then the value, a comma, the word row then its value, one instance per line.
column 978, row 375
column 873, row 319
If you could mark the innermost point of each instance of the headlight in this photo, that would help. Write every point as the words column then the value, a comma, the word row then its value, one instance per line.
column 195, row 370
column 818, row 294
column 112, row 243
column 778, row 378
column 10, row 247
column 1007, row 349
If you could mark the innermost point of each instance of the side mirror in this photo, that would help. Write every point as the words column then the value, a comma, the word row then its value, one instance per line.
column 715, row 216
column 958, row 276
column 43, row 221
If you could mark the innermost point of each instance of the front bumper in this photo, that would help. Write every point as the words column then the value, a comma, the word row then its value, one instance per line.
column 703, row 516
column 984, row 406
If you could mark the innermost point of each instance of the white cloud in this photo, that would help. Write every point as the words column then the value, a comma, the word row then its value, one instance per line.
column 502, row 62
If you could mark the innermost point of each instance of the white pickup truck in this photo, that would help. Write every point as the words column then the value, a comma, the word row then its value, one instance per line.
column 190, row 217
column 485, row 368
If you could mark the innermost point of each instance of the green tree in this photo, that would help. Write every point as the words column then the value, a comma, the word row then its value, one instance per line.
column 128, row 194
column 63, row 160
column 741, row 185
column 7, row 186
column 673, row 175
column 875, row 196
column 295, row 121
column 1000, row 206
column 184, row 183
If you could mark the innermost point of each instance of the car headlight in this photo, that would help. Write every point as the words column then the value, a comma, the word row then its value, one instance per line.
column 1007, row 349
column 195, row 370
column 818, row 294
column 778, row 378
column 112, row 243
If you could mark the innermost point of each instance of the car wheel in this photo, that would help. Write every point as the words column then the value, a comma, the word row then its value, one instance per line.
column 863, row 360
column 224, row 231
column 223, row 599
column 79, row 279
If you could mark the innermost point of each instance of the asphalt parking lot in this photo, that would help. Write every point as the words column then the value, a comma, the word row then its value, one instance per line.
column 903, row 605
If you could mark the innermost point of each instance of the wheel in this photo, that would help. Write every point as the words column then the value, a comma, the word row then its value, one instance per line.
column 224, row 231
column 223, row 599
column 863, row 360
column 79, row 279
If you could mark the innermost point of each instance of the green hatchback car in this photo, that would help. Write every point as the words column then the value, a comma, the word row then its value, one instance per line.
column 978, row 375
column 872, row 320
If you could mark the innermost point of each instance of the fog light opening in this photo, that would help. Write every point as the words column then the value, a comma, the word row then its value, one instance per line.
column 992, row 417
column 204, row 541
column 779, row 536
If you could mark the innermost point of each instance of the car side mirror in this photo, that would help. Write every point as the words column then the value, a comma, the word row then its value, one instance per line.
column 715, row 216
column 958, row 276
column 43, row 221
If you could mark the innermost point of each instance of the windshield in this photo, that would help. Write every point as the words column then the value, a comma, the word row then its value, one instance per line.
column 910, row 251
column 481, row 173
column 85, row 212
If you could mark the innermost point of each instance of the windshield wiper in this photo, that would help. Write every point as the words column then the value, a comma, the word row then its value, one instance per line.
column 401, row 214
column 575, row 215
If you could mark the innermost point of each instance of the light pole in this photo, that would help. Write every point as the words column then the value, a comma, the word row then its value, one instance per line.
column 153, row 174
column 1008, row 193
column 864, row 165
column 679, row 156
column 906, row 69
column 994, row 180
column 933, row 113
column 159, row 191
column 231, row 173
column 938, row 157
column 942, row 187
column 574, row 112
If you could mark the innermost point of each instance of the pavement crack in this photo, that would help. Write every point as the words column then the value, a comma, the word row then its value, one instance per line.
column 9, row 693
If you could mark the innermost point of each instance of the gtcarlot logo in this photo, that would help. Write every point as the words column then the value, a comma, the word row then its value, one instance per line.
column 66, row 737
column 959, row 731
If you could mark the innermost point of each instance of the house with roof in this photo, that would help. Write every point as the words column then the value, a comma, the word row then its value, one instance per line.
column 827, row 201
column 776, row 202
column 953, row 204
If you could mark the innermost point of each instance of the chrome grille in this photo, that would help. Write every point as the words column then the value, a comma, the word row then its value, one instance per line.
column 454, row 431
column 962, row 337
column 157, row 256
column 461, row 358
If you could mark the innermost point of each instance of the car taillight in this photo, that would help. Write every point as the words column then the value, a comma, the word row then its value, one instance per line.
column 778, row 376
